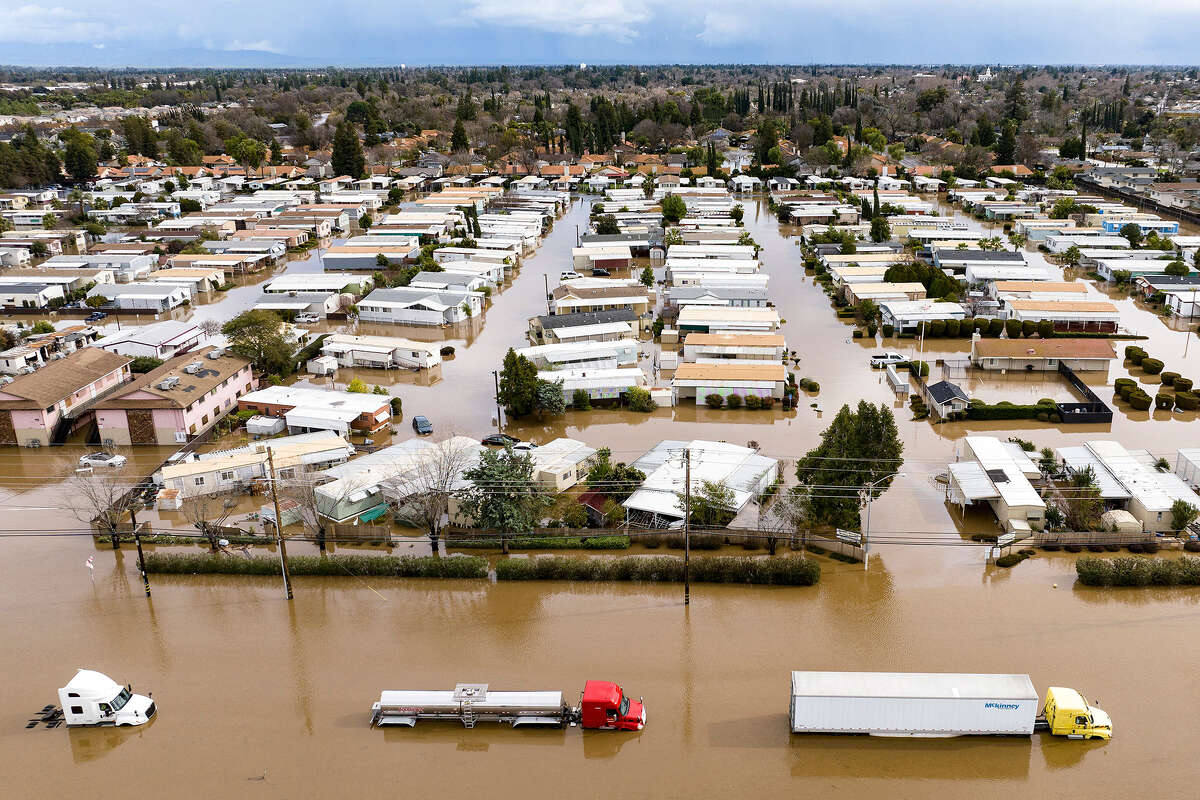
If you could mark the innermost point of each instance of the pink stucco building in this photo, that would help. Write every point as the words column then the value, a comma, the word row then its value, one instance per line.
column 177, row 401
column 59, row 397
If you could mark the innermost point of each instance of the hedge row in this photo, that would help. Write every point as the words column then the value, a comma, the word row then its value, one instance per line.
column 1184, row 571
column 769, row 570
column 389, row 566
column 1043, row 411
column 544, row 543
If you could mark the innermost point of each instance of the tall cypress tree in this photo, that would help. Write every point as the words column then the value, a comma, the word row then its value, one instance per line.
column 347, row 151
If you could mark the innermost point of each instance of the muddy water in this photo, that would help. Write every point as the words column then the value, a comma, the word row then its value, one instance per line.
column 259, row 698
column 264, row 699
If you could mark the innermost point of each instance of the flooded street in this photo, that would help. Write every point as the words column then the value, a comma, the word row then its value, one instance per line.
column 265, row 699
column 259, row 698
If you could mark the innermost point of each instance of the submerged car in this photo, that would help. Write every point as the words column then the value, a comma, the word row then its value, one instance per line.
column 95, row 316
column 499, row 440
column 422, row 425
column 102, row 460
column 883, row 359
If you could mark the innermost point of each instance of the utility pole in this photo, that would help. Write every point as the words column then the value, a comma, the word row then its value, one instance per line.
column 137, row 539
column 287, row 579
column 687, row 526
column 546, row 283
column 499, row 411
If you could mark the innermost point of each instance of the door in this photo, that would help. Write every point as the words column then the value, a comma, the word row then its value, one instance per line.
column 141, row 426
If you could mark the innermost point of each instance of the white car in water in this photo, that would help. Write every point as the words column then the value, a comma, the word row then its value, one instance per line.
column 883, row 359
column 102, row 460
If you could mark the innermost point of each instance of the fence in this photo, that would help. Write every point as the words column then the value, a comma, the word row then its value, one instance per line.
column 1094, row 410
column 340, row 532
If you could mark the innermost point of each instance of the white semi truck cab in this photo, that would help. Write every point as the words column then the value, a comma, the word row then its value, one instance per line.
column 93, row 698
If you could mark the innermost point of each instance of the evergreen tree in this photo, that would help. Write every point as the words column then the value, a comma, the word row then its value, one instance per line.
column 458, row 139
column 1006, row 147
column 348, row 156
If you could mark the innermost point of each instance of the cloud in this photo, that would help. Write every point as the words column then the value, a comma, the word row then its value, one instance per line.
column 54, row 24
column 619, row 19
column 262, row 44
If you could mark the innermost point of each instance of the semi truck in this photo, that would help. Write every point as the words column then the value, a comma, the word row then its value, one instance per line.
column 93, row 698
column 602, row 706
column 939, row 705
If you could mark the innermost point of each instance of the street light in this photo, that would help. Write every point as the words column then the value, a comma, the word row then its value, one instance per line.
column 870, row 490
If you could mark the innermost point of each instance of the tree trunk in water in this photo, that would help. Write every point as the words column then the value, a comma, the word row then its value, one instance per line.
column 321, row 538
column 503, row 545
column 433, row 543
column 116, row 539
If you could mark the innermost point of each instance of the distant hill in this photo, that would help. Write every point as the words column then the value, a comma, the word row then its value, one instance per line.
column 60, row 55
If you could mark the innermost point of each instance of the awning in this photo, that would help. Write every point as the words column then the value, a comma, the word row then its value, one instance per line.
column 374, row 513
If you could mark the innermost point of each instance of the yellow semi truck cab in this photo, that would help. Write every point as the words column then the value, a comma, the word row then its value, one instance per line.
column 1068, row 714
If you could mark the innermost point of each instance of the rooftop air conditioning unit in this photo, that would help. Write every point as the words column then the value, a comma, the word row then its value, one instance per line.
column 194, row 367
column 169, row 382
column 216, row 353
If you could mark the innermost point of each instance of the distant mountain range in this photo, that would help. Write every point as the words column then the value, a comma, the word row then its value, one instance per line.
column 51, row 55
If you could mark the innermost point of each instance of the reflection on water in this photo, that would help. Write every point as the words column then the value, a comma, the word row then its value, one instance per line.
column 992, row 757
column 90, row 744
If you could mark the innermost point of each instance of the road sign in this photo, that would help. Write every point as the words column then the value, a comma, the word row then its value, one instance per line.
column 849, row 537
column 1006, row 540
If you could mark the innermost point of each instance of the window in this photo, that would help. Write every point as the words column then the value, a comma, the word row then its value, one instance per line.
column 198, row 481
column 76, row 709
column 229, row 476
column 287, row 474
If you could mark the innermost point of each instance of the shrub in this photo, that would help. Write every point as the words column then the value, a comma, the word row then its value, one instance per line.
column 1186, row 401
column 581, row 400
column 1164, row 401
column 1012, row 327
column 775, row 570
column 980, row 325
column 1130, row 349
column 937, row 328
column 889, row 329
column 639, row 400
column 920, row 368
column 1010, row 560
column 714, row 400
column 1137, row 356
column 1028, row 327
column 1168, row 378
column 734, row 401
column 1122, row 383
column 1045, row 329
column 1151, row 366
column 1182, row 384
column 953, row 327
column 340, row 565
column 995, row 327
column 447, row 350
column 1184, row 571
column 752, row 402
column 872, row 329
column 1140, row 401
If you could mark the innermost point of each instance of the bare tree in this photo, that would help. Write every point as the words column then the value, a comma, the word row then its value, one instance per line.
column 101, row 497
column 208, row 513
column 788, row 515
column 302, row 490
column 210, row 327
column 422, row 493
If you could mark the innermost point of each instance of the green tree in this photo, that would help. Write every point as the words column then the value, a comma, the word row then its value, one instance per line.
column 1072, row 256
column 616, row 481
column 1083, row 502
column 43, row 326
column 1071, row 148
column 606, row 225
column 712, row 505
column 458, row 138
column 1183, row 514
column 548, row 397
column 259, row 335
column 348, row 156
column 1176, row 268
column 518, row 384
column 96, row 300
column 858, row 448
column 1006, row 147
column 357, row 387
column 673, row 208
column 503, row 497
column 143, row 364
column 881, row 231
column 80, row 159
column 1133, row 232
column 647, row 276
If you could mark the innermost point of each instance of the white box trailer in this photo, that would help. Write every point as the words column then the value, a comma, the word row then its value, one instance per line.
column 913, row 704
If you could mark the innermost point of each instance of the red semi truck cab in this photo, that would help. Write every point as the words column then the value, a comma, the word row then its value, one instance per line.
column 606, row 707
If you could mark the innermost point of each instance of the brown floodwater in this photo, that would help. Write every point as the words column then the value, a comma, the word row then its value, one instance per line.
column 261, row 698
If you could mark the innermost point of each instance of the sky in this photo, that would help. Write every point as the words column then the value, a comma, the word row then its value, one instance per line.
column 419, row 32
